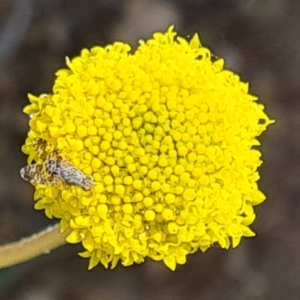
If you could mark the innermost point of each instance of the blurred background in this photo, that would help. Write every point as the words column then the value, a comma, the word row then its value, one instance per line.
column 260, row 40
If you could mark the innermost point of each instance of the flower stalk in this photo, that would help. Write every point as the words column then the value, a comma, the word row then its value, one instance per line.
column 28, row 248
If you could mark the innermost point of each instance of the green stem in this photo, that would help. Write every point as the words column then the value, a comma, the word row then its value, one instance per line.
column 31, row 247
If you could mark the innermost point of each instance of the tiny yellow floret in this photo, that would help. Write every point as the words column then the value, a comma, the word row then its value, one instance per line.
column 150, row 215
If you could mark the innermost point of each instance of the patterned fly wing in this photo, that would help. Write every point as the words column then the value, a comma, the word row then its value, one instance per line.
column 54, row 170
column 40, row 148
column 59, row 166
column 73, row 175
column 35, row 174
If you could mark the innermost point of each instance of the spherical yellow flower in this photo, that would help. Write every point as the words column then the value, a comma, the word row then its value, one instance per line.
column 167, row 135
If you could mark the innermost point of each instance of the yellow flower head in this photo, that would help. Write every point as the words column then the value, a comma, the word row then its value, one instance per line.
column 165, row 136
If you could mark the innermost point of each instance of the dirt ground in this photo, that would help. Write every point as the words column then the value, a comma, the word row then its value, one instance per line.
column 260, row 40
